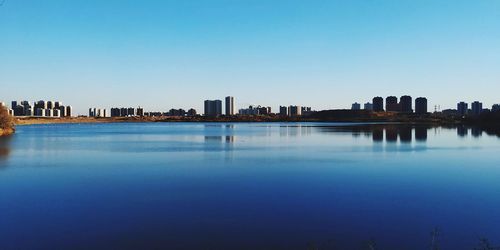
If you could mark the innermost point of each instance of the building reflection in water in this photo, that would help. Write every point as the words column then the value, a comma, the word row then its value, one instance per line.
column 295, row 130
column 421, row 133
column 462, row 131
column 378, row 132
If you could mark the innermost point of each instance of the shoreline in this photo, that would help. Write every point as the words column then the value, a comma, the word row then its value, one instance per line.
column 22, row 121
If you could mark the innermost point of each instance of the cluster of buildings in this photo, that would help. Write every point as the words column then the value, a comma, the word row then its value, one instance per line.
column 39, row 108
column 214, row 108
column 392, row 104
column 476, row 108
column 139, row 112
column 294, row 110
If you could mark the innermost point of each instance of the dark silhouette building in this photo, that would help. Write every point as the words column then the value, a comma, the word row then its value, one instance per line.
column 378, row 104
column 477, row 108
column 421, row 105
column 406, row 104
column 462, row 108
column 283, row 110
column 213, row 107
column 391, row 104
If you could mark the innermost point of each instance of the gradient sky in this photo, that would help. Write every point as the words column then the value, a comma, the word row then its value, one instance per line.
column 323, row 54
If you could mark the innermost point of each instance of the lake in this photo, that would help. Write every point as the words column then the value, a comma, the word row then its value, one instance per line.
column 248, row 186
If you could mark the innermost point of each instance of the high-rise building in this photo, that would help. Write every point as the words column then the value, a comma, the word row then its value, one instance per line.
column 229, row 105
column 50, row 105
column 378, row 104
column 39, row 112
column 56, row 113
column 368, row 106
column 57, row 105
column 213, row 107
column 355, row 106
column 477, row 108
column 131, row 111
column 421, row 105
column 462, row 108
column 49, row 113
column 294, row 111
column 283, row 110
column 69, row 111
column 391, row 104
column 406, row 104
column 18, row 110
column 495, row 108
column 140, row 111
column 13, row 104
column 62, row 111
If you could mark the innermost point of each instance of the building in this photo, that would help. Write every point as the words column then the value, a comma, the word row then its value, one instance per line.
column 40, row 112
column 56, row 113
column 391, row 104
column 283, row 110
column 95, row 112
column 177, row 112
column 421, row 105
column 378, row 104
column 50, row 105
column 140, row 111
column 131, row 112
column 252, row 110
column 368, row 106
column 462, row 108
column 62, row 111
column 229, row 105
column 355, row 106
column 69, row 111
column 49, row 112
column 294, row 111
column 477, row 108
column 406, row 104
column 213, row 107
column 495, row 108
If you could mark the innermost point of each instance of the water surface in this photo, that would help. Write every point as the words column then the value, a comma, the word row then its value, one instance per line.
column 248, row 186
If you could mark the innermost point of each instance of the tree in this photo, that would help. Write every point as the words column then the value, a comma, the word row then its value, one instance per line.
column 6, row 121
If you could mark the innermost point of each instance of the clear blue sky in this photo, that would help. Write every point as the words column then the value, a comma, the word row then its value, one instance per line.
column 324, row 54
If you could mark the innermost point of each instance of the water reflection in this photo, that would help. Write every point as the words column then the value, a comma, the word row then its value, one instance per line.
column 391, row 132
column 4, row 148
column 404, row 133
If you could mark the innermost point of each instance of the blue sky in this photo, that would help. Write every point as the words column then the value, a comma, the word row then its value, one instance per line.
column 324, row 54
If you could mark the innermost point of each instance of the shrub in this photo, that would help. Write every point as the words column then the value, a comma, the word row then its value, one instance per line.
column 6, row 121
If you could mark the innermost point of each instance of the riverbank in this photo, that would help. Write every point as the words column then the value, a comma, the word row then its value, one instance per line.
column 5, row 132
column 20, row 121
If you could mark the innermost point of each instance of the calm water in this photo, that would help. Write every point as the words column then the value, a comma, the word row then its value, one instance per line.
column 247, row 186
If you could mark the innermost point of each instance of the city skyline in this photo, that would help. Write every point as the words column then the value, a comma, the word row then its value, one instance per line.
column 321, row 54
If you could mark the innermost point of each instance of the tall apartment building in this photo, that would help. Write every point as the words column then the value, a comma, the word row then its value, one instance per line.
column 421, row 105
column 378, row 104
column 213, row 107
column 462, row 108
column 477, row 108
column 229, row 105
column 406, row 104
